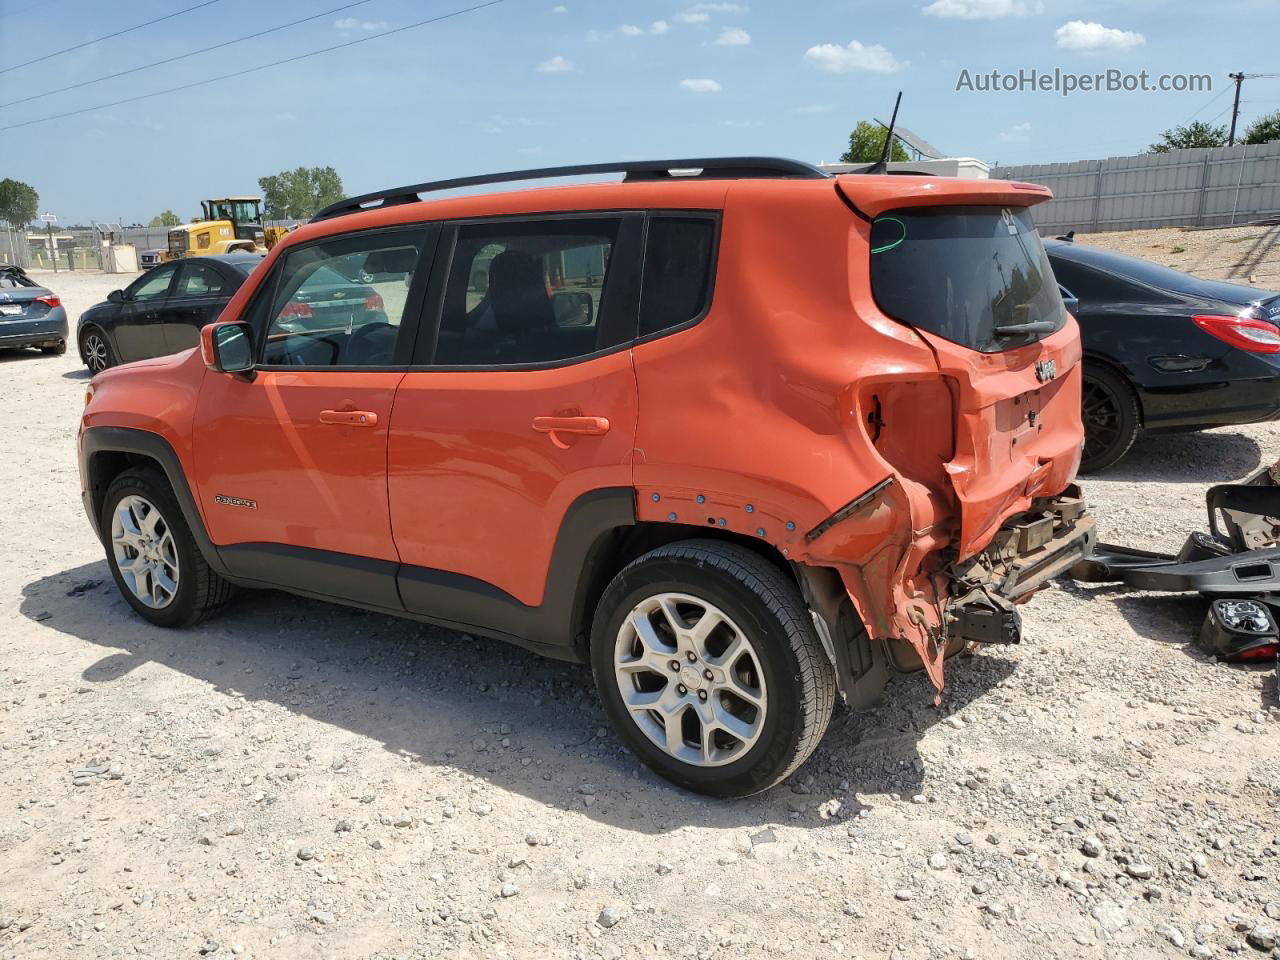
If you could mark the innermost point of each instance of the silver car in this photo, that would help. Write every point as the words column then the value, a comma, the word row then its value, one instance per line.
column 30, row 315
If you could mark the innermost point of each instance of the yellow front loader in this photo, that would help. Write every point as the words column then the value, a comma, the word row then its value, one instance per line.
column 226, row 225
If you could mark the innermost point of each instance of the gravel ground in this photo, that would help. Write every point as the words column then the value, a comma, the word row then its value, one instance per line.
column 299, row 780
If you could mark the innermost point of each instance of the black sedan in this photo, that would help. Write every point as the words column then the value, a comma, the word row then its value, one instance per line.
column 162, row 311
column 1166, row 352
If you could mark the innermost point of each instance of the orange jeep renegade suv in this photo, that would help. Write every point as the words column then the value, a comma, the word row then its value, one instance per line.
column 741, row 435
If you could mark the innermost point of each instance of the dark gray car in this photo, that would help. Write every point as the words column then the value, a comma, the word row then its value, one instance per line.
column 30, row 315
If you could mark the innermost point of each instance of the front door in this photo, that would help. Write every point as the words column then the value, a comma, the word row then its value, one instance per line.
column 139, row 328
column 291, row 464
column 528, row 403
column 198, row 297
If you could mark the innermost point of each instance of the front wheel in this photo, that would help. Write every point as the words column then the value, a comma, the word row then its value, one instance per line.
column 96, row 351
column 153, row 557
column 710, row 669
column 1112, row 418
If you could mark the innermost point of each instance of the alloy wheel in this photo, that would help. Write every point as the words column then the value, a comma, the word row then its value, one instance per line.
column 144, row 550
column 95, row 353
column 690, row 679
column 1102, row 418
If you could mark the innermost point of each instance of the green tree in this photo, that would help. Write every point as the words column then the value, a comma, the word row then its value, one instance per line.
column 299, row 194
column 1198, row 134
column 166, row 219
column 1265, row 129
column 19, row 202
column 866, row 144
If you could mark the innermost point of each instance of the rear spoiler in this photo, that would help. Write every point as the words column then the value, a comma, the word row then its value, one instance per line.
column 872, row 196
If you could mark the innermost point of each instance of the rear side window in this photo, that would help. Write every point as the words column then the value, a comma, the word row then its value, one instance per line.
column 962, row 272
column 528, row 291
column 678, row 263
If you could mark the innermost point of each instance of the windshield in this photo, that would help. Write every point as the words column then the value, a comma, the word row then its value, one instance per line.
column 961, row 272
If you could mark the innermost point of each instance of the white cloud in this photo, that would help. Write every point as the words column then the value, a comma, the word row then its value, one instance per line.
column 733, row 37
column 1090, row 37
column 855, row 56
column 368, row 26
column 693, row 16
column 813, row 108
column 1018, row 133
column 981, row 9
column 559, row 8
column 701, row 85
column 556, row 64
column 657, row 28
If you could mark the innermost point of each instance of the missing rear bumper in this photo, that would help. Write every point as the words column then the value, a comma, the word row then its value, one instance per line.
column 1027, row 552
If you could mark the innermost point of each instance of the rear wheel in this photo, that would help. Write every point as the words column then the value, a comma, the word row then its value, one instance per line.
column 709, row 667
column 1112, row 418
column 95, row 350
column 153, row 557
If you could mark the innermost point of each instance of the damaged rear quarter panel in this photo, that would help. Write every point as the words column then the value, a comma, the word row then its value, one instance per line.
column 767, row 396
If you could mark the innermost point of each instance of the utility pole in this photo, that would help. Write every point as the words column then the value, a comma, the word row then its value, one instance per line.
column 1235, row 108
column 49, row 220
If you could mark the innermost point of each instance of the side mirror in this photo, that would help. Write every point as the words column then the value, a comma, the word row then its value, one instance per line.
column 573, row 308
column 115, row 296
column 228, row 347
column 1069, row 300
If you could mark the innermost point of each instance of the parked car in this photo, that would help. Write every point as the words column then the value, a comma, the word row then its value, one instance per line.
column 151, row 258
column 781, row 434
column 30, row 315
column 162, row 311
column 1166, row 352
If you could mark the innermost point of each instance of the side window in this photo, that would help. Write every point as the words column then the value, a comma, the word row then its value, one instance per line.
column 200, row 280
column 677, row 271
column 155, row 285
column 341, row 302
column 532, row 291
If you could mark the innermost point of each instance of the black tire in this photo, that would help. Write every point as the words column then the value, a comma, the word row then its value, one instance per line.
column 766, row 605
column 200, row 591
column 106, row 353
column 1112, row 418
column 56, row 350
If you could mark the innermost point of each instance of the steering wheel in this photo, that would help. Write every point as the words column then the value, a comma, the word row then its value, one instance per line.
column 378, row 355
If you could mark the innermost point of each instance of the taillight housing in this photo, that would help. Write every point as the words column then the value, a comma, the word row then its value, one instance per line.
column 49, row 301
column 1253, row 336
column 374, row 302
column 293, row 310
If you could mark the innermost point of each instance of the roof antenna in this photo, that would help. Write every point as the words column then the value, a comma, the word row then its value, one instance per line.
column 882, row 165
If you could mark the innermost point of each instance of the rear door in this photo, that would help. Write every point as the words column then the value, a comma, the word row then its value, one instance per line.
column 139, row 326
column 292, row 464
column 199, row 295
column 975, row 283
column 523, row 399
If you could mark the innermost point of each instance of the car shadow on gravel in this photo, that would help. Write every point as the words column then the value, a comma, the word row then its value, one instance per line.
column 449, row 700
column 1210, row 456
column 81, row 374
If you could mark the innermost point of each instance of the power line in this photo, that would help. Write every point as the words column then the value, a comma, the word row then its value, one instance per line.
column 183, row 56
column 264, row 66
column 118, row 33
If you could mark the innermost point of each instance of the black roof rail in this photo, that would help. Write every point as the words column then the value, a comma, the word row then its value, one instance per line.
column 719, row 168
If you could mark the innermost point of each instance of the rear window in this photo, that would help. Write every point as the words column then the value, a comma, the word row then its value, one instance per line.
column 963, row 272
column 677, row 271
